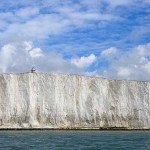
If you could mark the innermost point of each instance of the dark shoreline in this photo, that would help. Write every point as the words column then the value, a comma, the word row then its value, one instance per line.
column 71, row 129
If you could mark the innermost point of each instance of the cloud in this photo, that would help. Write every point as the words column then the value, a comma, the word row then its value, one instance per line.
column 16, row 56
column 143, row 50
column 106, row 36
column 133, row 65
column 22, row 56
column 28, row 45
column 30, row 21
column 37, row 28
column 27, row 12
column 36, row 52
column 115, row 3
column 91, row 73
column 124, row 72
column 147, row 1
column 109, row 52
column 6, row 56
column 83, row 61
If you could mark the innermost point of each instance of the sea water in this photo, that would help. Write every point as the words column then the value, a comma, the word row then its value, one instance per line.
column 74, row 140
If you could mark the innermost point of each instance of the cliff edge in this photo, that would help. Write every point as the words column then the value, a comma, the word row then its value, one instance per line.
column 50, row 100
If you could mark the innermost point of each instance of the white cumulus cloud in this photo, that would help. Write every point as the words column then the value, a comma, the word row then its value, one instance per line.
column 6, row 53
column 133, row 65
column 83, row 61
column 36, row 52
column 22, row 56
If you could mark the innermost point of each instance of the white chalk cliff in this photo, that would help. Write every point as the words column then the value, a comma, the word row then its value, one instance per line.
column 49, row 100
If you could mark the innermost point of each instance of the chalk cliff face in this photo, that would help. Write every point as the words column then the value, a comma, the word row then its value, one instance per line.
column 41, row 100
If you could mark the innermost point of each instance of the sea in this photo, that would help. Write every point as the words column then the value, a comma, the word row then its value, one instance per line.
column 74, row 140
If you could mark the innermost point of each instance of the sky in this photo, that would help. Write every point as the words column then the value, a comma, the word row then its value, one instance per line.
column 100, row 38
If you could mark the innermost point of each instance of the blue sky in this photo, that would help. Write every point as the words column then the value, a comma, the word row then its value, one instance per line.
column 109, row 38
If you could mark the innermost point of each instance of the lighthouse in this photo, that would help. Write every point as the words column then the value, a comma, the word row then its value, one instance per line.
column 33, row 70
